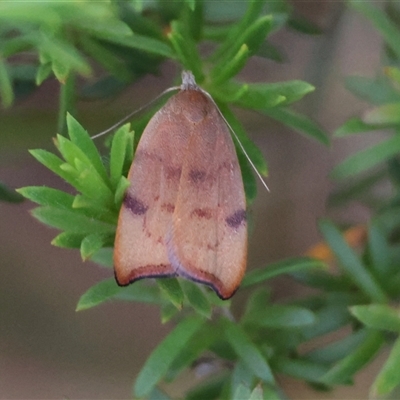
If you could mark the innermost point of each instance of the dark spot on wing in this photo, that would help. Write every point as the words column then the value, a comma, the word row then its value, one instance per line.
column 197, row 176
column 202, row 213
column 213, row 247
column 230, row 166
column 135, row 205
column 168, row 207
column 236, row 219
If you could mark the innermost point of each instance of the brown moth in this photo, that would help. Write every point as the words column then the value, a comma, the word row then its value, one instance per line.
column 184, row 213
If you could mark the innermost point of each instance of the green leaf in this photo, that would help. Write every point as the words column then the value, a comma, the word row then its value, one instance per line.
column 109, row 290
column 241, row 392
column 196, row 298
column 379, row 252
column 99, row 293
column 80, row 137
column 122, row 186
column 140, row 42
column 92, row 243
column 350, row 263
column 393, row 168
column 298, row 122
column 67, row 101
column 375, row 91
column 354, row 126
column 247, row 351
column 283, row 267
column 92, row 187
column 271, row 393
column 6, row 89
column 168, row 311
column 193, row 18
column 191, row 4
column 356, row 187
column 89, row 181
column 323, row 280
column 165, row 353
column 393, row 73
column 129, row 152
column 241, row 375
column 261, row 96
column 260, row 314
column 381, row 22
column 300, row 369
column 378, row 316
column 34, row 12
column 367, row 158
column 110, row 61
column 92, row 207
column 53, row 163
column 257, row 393
column 215, row 33
column 63, row 53
column 256, row 303
column 71, row 221
column 330, row 318
column 253, row 12
column 388, row 377
column 118, row 153
column 192, row 351
column 337, row 350
column 281, row 316
column 69, row 240
column 157, row 394
column 232, row 67
column 104, row 257
column 253, row 96
column 185, row 48
column 253, row 36
column 362, row 355
column 141, row 291
column 10, row 195
column 173, row 291
column 61, row 71
column 383, row 115
column 102, row 23
column 15, row 45
column 46, row 196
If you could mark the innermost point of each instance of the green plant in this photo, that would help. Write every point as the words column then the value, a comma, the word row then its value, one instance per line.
column 359, row 175
column 266, row 339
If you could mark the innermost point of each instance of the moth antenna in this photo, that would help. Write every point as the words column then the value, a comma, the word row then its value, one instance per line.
column 138, row 110
column 244, row 151
column 189, row 82
column 238, row 141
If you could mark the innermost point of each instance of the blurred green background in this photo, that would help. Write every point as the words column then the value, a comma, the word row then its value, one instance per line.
column 50, row 351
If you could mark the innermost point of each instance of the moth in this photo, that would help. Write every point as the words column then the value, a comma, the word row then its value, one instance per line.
column 184, row 213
